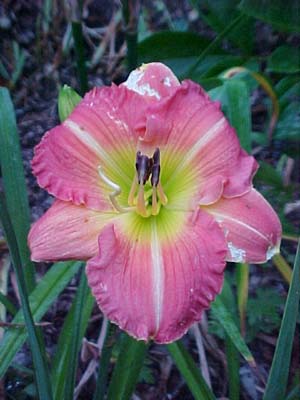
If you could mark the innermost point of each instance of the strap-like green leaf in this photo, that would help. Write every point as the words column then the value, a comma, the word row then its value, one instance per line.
column 82, row 294
column 127, row 369
column 277, row 382
column 190, row 372
column 47, row 290
column 61, row 361
column 37, row 346
column 105, row 362
column 8, row 304
column 227, row 321
column 14, row 182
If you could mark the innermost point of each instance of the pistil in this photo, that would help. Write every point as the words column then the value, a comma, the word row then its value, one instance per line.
column 116, row 192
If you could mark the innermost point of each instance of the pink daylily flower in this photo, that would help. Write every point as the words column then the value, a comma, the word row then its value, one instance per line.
column 154, row 190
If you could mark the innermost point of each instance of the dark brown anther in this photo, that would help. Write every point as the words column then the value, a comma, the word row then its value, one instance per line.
column 143, row 167
column 146, row 166
column 155, row 172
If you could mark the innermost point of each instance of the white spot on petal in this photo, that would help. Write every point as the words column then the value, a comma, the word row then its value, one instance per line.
column 144, row 89
column 167, row 81
column 272, row 250
column 237, row 255
column 103, row 287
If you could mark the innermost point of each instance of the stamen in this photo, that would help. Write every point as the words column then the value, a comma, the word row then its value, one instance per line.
column 155, row 208
column 161, row 194
column 141, row 206
column 146, row 167
column 117, row 191
column 133, row 188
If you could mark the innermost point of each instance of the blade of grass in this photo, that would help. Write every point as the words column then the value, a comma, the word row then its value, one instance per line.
column 233, row 367
column 104, row 362
column 14, row 182
column 8, row 304
column 83, row 292
column 277, row 382
column 37, row 347
column 131, row 17
column 61, row 361
column 227, row 322
column 80, row 58
column 46, row 291
column 190, row 372
column 19, row 59
column 127, row 369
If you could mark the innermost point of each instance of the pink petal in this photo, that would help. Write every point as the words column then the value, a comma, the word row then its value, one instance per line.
column 66, row 232
column 153, row 81
column 156, row 284
column 197, row 134
column 103, row 131
column 251, row 227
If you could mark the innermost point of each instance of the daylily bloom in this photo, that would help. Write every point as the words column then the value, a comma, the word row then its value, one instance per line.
column 154, row 190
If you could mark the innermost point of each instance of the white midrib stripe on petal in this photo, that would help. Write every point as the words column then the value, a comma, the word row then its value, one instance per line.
column 197, row 146
column 157, row 275
column 202, row 141
column 220, row 217
column 86, row 138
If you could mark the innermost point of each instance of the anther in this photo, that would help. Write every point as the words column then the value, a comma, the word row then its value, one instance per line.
column 155, row 172
column 146, row 167
column 143, row 167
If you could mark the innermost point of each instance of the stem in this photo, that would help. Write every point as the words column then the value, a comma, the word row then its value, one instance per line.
column 79, row 53
column 131, row 9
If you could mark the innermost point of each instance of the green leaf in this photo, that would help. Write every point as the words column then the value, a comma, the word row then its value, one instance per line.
column 83, row 293
column 68, row 98
column 227, row 321
column 61, row 361
column 219, row 13
column 283, row 14
column 104, row 362
column 19, row 56
column 47, row 290
column 14, row 182
column 234, row 97
column 169, row 45
column 233, row 366
column 8, row 304
column 178, row 50
column 37, row 346
column 288, row 125
column 277, row 382
column 127, row 369
column 79, row 47
column 285, row 59
column 269, row 175
column 3, row 71
column 190, row 372
column 210, row 49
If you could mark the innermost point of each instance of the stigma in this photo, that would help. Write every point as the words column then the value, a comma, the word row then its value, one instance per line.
column 147, row 199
